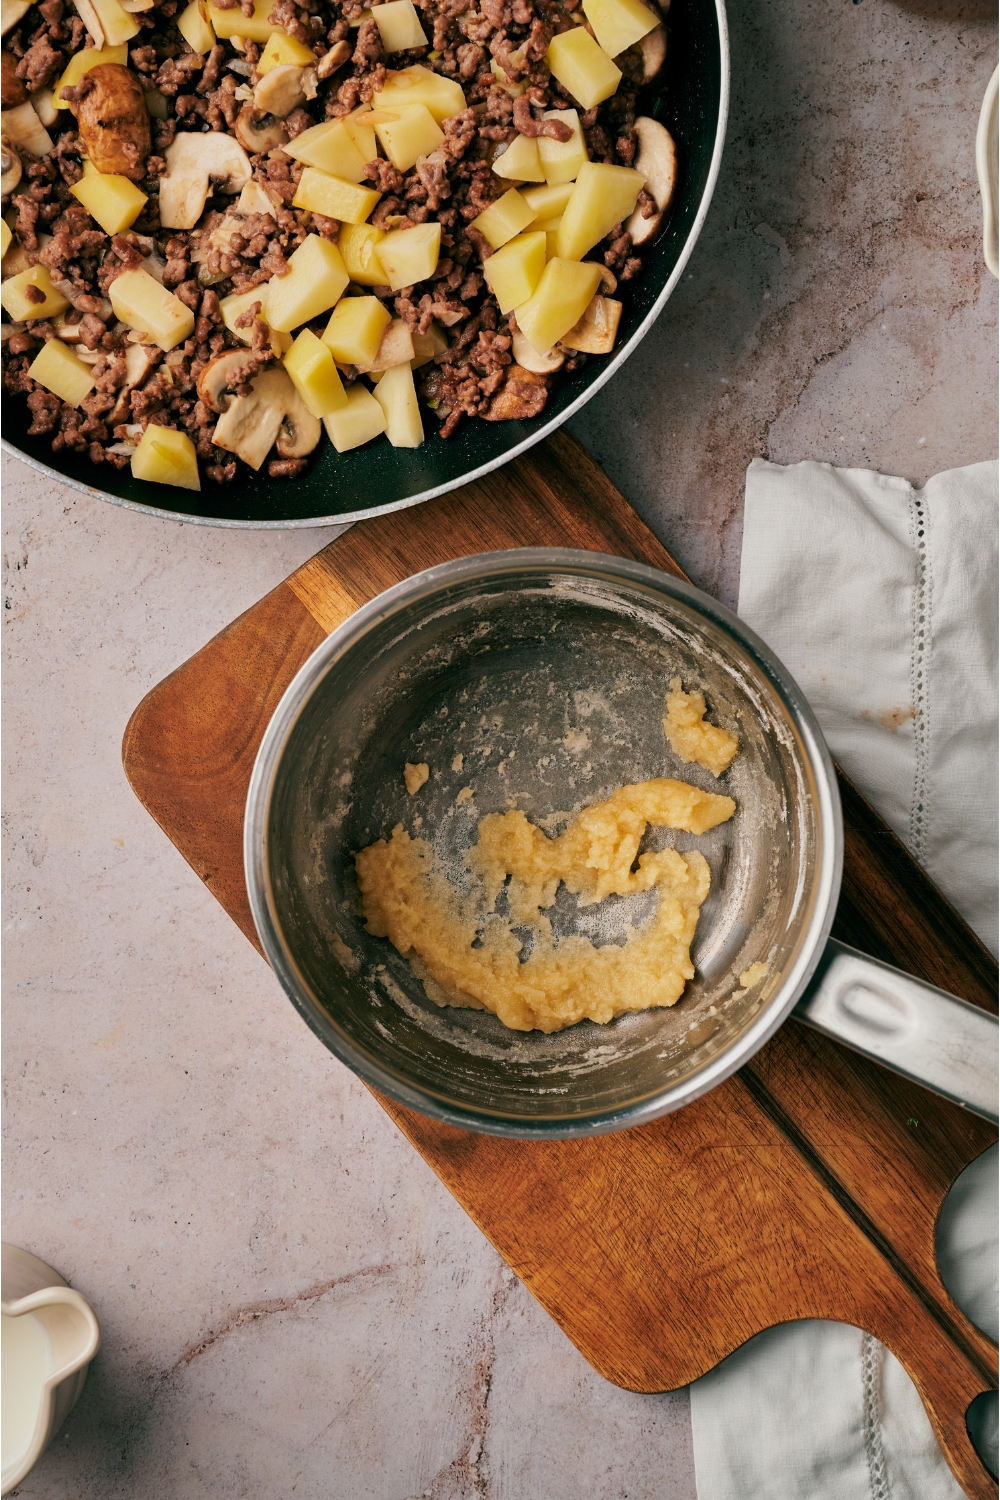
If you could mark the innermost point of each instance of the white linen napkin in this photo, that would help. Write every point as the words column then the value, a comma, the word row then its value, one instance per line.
column 881, row 601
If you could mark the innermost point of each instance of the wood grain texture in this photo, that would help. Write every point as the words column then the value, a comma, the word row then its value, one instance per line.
column 807, row 1186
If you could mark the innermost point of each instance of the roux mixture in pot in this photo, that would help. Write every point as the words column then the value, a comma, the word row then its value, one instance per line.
column 470, row 954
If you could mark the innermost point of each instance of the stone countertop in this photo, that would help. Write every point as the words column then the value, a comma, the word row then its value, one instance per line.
column 292, row 1304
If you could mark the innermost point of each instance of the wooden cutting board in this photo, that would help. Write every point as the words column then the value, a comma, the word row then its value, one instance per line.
column 807, row 1186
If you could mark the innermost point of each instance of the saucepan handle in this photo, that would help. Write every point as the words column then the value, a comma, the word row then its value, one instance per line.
column 929, row 1036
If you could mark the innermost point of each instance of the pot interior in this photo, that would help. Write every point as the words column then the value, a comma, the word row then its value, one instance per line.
column 551, row 686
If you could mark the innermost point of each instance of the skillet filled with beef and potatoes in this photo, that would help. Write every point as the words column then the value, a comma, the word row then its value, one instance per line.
column 271, row 262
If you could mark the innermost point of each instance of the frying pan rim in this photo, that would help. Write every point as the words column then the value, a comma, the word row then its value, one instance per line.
column 482, row 568
column 544, row 430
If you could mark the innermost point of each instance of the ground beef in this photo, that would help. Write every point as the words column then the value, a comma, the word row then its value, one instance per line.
column 474, row 376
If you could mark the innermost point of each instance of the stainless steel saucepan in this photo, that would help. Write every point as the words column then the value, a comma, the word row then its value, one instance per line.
column 546, row 671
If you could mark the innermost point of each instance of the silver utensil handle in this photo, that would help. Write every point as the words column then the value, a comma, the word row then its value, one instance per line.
column 929, row 1036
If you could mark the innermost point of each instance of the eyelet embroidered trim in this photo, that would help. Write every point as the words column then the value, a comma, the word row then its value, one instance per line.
column 872, row 1355
column 919, row 663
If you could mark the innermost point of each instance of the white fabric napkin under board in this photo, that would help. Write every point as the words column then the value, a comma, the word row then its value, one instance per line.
column 881, row 601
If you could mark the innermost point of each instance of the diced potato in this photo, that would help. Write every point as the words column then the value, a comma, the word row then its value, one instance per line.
column 332, row 148
column 602, row 197
column 355, row 330
column 520, row 162
column 358, row 422
column 81, row 62
column 362, row 131
column 165, row 456
column 597, row 329
column 315, row 282
column 397, row 396
column 619, row 24
column 57, row 368
column 235, row 306
column 558, row 302
column 582, row 67
column 5, row 238
column 256, row 28
column 399, row 25
column 504, row 218
column 282, row 50
column 513, row 272
column 427, row 345
column 358, row 244
column 118, row 26
column 417, row 85
column 410, row 255
column 407, row 134
column 140, row 301
column 314, row 375
column 195, row 27
column 548, row 202
column 113, row 201
column 21, row 308
column 322, row 194
column 562, row 160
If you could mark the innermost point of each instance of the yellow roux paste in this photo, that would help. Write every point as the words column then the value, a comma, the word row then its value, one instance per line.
column 691, row 738
column 409, row 900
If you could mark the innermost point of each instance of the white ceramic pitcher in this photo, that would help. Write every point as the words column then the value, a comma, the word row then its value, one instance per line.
column 50, row 1338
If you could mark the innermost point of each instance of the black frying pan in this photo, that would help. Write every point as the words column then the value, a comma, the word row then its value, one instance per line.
column 691, row 101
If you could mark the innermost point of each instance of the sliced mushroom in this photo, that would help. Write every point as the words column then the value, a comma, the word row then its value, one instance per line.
column 87, row 12
column 253, row 200
column 396, row 348
column 338, row 55
column 193, row 162
column 10, row 168
column 12, row 91
column 222, row 372
column 597, row 329
column 522, row 396
column 279, row 91
column 114, row 122
column 140, row 360
column 654, row 52
column 609, row 282
column 24, row 129
column 259, row 132
column 529, row 359
column 273, row 411
column 657, row 161
column 14, row 11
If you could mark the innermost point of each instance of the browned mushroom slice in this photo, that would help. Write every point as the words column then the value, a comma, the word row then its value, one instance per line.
column 193, row 163
column 528, row 357
column 654, row 52
column 395, row 348
column 279, row 91
column 273, row 411
column 657, row 161
column 216, row 380
column 259, row 132
column 522, row 396
column 10, row 168
column 597, row 329
column 13, row 91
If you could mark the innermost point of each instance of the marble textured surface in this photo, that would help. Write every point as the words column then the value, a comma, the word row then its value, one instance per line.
column 836, row 306
column 292, row 1304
